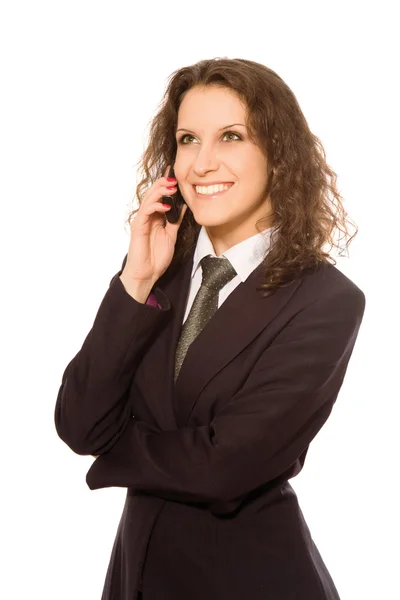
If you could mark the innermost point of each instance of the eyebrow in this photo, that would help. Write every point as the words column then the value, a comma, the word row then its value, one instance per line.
column 221, row 129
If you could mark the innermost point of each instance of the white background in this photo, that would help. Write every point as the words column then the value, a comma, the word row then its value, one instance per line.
column 80, row 81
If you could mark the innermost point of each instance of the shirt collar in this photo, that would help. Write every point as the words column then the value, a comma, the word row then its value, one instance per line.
column 244, row 256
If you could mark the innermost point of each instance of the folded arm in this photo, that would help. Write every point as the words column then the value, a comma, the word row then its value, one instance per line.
column 260, row 432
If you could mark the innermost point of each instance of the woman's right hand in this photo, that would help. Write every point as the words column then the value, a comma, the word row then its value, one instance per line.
column 152, row 243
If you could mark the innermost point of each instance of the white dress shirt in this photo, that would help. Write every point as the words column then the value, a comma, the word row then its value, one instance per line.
column 244, row 257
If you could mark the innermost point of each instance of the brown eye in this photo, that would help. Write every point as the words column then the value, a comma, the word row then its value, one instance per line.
column 187, row 135
column 183, row 137
column 232, row 133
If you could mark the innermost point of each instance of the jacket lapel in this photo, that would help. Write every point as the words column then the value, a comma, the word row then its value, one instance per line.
column 240, row 318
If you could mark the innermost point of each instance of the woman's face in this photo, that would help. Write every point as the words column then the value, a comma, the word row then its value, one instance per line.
column 210, row 152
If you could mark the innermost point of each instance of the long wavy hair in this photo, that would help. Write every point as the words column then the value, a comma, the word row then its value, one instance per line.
column 307, row 207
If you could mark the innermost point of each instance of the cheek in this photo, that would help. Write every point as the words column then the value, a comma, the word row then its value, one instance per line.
column 181, row 167
column 253, row 169
column 242, row 161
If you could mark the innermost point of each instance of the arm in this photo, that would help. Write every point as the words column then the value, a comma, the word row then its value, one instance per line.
column 91, row 410
column 151, row 301
column 260, row 433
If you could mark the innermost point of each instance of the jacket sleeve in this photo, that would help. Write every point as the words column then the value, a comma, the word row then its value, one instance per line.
column 91, row 409
column 260, row 432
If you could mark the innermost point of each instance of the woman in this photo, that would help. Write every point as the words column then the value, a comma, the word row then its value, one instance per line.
column 242, row 287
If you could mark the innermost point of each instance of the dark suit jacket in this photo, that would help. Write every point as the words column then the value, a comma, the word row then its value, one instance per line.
column 209, row 512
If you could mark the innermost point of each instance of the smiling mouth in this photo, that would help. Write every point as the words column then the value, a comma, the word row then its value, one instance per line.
column 213, row 194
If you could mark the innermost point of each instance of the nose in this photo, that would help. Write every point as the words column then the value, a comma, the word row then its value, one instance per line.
column 206, row 160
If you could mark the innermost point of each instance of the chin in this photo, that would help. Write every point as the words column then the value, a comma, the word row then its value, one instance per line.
column 211, row 222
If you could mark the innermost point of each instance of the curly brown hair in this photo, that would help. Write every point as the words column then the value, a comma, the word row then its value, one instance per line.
column 307, row 207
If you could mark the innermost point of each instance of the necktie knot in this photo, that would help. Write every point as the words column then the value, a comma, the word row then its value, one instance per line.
column 217, row 272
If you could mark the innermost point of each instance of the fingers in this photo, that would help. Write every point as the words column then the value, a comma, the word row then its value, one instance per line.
column 157, row 206
column 152, row 200
column 159, row 189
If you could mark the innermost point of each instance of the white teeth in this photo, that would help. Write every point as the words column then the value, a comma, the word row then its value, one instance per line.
column 211, row 189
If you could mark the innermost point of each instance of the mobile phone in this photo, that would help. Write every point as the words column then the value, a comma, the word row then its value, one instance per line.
column 176, row 202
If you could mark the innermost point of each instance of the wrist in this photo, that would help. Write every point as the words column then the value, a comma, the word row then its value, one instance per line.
column 139, row 290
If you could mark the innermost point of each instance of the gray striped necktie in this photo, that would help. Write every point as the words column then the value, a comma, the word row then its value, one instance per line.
column 217, row 271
